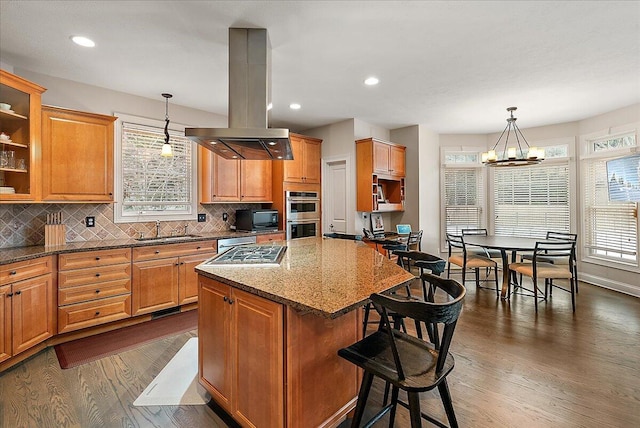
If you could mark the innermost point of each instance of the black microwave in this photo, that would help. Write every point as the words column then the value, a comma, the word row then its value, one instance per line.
column 256, row 220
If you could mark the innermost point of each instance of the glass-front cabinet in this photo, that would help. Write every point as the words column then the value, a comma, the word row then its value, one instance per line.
column 20, row 104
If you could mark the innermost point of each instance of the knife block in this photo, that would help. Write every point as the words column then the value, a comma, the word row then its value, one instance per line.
column 54, row 234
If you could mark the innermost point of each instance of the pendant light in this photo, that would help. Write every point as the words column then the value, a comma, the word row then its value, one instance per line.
column 166, row 147
column 512, row 156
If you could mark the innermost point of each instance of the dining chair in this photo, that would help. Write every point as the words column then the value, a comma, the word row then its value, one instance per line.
column 538, row 267
column 406, row 361
column 465, row 260
column 551, row 258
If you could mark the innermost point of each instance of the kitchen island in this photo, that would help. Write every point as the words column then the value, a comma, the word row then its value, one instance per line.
column 269, row 336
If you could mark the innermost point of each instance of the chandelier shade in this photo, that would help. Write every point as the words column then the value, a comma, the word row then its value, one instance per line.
column 518, row 154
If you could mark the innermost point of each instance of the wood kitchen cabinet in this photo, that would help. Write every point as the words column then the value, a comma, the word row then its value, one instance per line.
column 233, row 180
column 163, row 275
column 305, row 166
column 27, row 312
column 22, row 125
column 270, row 237
column 243, row 366
column 380, row 175
column 77, row 156
column 94, row 287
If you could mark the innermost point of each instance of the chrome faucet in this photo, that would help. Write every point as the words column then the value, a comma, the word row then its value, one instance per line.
column 157, row 228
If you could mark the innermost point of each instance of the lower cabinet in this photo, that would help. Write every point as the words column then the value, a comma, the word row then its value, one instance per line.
column 94, row 287
column 163, row 276
column 27, row 312
column 270, row 237
column 241, row 364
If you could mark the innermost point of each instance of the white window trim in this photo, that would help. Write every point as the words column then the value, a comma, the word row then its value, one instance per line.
column 586, row 154
column 118, row 217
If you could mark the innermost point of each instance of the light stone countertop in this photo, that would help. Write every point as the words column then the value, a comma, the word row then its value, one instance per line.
column 323, row 276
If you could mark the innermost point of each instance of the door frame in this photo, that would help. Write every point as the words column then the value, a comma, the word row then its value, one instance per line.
column 349, row 193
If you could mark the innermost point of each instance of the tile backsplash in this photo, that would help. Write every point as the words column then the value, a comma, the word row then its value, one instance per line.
column 23, row 225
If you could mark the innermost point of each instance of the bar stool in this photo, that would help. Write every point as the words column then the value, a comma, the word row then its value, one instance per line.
column 406, row 361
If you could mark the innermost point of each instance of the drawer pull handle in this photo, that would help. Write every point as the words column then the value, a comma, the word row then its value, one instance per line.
column 13, row 272
column 198, row 247
column 157, row 251
column 97, row 258
column 97, row 313
column 97, row 291
column 97, row 274
column 11, row 294
column 18, row 293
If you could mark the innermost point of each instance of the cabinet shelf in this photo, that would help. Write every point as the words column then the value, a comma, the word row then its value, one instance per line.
column 14, row 170
column 11, row 115
column 13, row 143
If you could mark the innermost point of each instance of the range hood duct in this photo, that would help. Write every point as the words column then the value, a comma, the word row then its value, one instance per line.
column 247, row 136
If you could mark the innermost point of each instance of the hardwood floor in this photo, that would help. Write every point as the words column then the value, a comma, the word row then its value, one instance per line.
column 513, row 369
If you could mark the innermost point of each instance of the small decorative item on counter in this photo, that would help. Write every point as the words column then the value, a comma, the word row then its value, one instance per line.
column 54, row 230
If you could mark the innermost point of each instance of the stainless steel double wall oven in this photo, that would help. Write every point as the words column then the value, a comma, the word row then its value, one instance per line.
column 302, row 214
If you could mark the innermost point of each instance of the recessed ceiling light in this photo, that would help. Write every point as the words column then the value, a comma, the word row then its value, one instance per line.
column 371, row 81
column 83, row 41
column 294, row 106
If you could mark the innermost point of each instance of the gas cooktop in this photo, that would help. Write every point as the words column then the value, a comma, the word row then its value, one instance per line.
column 249, row 255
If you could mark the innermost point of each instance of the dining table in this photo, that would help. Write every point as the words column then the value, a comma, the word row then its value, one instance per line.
column 504, row 244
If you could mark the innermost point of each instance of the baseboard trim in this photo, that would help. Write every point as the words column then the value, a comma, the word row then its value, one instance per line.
column 609, row 284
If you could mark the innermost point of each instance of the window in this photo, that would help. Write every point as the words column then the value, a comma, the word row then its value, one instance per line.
column 464, row 192
column 529, row 201
column 610, row 228
column 150, row 186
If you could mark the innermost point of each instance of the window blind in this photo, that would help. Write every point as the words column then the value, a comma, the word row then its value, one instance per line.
column 529, row 201
column 151, row 182
column 611, row 229
column 464, row 198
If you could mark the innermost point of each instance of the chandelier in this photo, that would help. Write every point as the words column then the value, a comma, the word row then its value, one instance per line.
column 166, row 147
column 512, row 156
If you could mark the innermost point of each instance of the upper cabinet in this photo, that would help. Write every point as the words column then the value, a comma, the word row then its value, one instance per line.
column 305, row 166
column 77, row 156
column 380, row 175
column 20, row 149
column 233, row 180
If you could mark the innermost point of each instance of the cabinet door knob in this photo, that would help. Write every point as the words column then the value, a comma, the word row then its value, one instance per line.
column 225, row 298
column 231, row 301
column 13, row 272
column 18, row 293
column 9, row 294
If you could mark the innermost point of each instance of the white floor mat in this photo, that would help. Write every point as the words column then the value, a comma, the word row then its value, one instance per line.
column 177, row 383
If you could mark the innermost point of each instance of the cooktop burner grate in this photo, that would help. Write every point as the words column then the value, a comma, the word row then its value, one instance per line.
column 250, row 255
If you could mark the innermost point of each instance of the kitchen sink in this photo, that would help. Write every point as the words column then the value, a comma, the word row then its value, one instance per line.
column 167, row 238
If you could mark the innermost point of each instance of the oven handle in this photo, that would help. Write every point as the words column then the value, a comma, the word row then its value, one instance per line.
column 305, row 221
column 303, row 199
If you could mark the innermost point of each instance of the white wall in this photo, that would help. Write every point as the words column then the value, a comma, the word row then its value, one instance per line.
column 93, row 99
column 410, row 138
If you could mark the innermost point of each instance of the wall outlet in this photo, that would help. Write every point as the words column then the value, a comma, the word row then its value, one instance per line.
column 202, row 218
column 90, row 221
column 225, row 216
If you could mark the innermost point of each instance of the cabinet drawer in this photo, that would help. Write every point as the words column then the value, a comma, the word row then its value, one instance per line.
column 94, row 275
column 86, row 293
column 26, row 269
column 173, row 250
column 270, row 237
column 93, row 258
column 82, row 315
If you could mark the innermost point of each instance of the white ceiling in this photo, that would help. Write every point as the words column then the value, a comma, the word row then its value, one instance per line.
column 451, row 66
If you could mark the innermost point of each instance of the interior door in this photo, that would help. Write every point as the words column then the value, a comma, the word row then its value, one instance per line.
column 336, row 201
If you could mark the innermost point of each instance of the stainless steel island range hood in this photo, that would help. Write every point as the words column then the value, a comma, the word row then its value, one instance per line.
column 247, row 136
